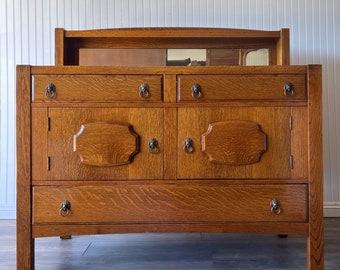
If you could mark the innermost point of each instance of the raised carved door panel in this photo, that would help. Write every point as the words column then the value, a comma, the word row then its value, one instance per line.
column 99, row 144
column 234, row 143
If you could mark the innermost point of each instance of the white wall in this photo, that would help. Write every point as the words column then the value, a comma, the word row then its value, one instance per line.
column 27, row 37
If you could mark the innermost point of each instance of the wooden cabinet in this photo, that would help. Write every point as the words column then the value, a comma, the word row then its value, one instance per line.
column 169, row 149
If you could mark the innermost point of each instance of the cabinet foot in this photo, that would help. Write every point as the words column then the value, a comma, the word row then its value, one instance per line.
column 64, row 237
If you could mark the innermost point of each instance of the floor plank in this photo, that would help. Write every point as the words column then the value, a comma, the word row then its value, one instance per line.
column 172, row 251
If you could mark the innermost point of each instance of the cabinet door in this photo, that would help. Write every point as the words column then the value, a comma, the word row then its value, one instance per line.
column 234, row 143
column 101, row 144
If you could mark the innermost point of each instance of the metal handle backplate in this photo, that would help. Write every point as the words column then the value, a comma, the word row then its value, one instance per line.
column 188, row 145
column 153, row 146
column 196, row 91
column 144, row 91
column 275, row 206
column 65, row 208
column 50, row 91
column 288, row 89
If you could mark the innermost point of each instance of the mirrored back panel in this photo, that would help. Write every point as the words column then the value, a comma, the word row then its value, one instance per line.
column 173, row 57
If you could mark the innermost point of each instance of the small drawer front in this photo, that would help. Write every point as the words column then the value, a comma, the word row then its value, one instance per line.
column 198, row 203
column 224, row 87
column 97, row 88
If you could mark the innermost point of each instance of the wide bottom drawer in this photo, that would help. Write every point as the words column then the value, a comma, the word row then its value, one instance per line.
column 165, row 203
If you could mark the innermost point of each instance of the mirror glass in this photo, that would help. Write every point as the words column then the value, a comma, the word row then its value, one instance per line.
column 257, row 58
column 186, row 57
column 173, row 57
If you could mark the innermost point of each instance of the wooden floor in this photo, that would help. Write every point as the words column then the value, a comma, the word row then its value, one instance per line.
column 171, row 251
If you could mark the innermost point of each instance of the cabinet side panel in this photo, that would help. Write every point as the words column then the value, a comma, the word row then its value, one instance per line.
column 315, row 239
column 25, row 243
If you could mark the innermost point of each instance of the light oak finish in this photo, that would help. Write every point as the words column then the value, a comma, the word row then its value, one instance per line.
column 169, row 203
column 97, row 88
column 240, row 142
column 173, row 160
column 106, row 144
column 223, row 87
column 193, row 122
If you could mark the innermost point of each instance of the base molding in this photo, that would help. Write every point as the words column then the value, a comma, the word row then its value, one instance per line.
column 331, row 209
column 7, row 213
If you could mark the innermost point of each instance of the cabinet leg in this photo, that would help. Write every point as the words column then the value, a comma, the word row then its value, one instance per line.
column 65, row 237
column 25, row 249
column 315, row 255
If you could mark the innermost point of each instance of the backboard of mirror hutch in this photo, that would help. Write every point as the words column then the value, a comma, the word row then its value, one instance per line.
column 153, row 46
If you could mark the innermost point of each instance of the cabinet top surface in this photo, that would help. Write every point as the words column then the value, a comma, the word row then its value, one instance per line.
column 174, row 32
column 229, row 70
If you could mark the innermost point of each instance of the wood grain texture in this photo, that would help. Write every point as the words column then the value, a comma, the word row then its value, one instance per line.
column 274, row 122
column 218, row 88
column 234, row 142
column 180, row 37
column 39, row 143
column 170, row 143
column 299, row 145
column 25, row 243
column 315, row 240
column 122, row 57
column 65, row 122
column 170, row 88
column 106, row 144
column 283, row 48
column 97, row 88
column 173, row 190
column 173, row 32
column 291, row 228
column 59, row 46
column 193, row 203
column 226, row 70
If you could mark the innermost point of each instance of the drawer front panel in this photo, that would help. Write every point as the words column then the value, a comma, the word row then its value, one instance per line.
column 170, row 203
column 97, row 88
column 98, row 144
column 223, row 87
column 262, row 151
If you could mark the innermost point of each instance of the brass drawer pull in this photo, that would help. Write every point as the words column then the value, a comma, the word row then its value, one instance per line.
column 153, row 146
column 196, row 91
column 288, row 89
column 188, row 146
column 275, row 207
column 144, row 91
column 65, row 208
column 50, row 91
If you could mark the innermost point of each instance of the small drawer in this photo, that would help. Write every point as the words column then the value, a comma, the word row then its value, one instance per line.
column 196, row 203
column 97, row 88
column 224, row 87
